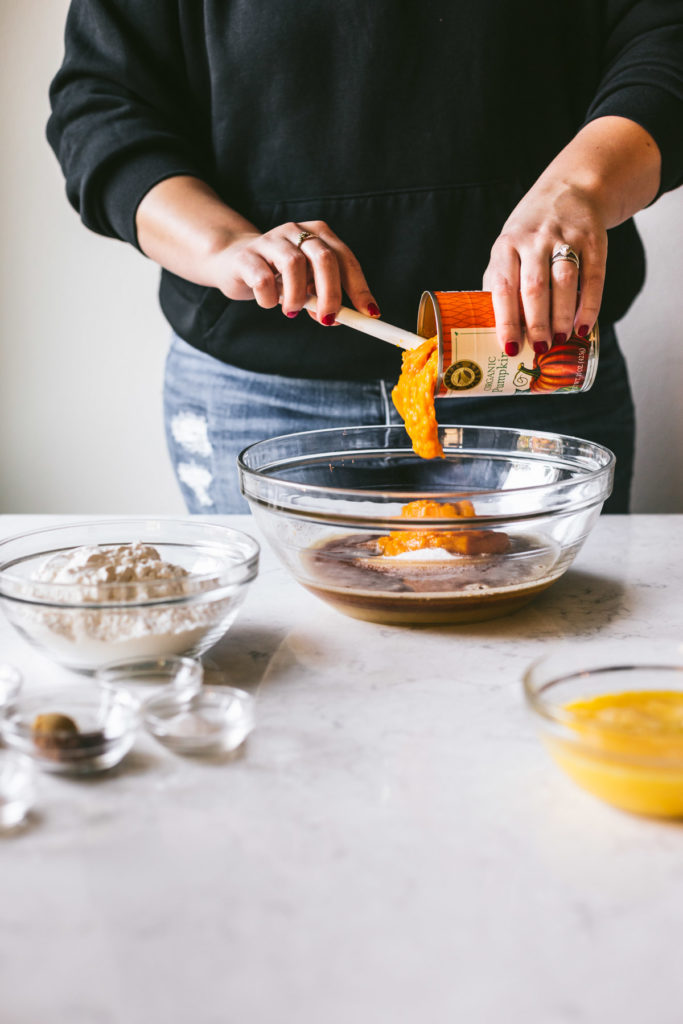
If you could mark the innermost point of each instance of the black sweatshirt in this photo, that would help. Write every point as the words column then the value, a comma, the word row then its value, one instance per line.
column 411, row 128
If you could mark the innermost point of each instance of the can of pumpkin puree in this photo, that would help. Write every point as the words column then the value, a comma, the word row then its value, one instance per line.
column 471, row 361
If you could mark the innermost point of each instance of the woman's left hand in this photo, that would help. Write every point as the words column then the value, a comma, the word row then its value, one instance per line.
column 609, row 171
column 520, row 265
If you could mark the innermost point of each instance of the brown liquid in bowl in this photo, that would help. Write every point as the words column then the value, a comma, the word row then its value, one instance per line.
column 349, row 574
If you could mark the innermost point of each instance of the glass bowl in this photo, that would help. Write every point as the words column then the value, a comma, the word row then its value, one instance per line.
column 324, row 497
column 611, row 715
column 76, row 730
column 86, row 625
column 210, row 722
column 10, row 682
column 17, row 788
column 184, row 675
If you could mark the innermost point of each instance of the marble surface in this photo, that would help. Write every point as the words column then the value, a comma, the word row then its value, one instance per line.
column 391, row 845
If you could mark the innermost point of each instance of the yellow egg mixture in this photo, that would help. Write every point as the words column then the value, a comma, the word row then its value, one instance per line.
column 629, row 749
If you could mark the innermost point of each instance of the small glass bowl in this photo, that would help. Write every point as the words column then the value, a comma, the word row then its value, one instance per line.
column 212, row 721
column 82, row 728
column 624, row 743
column 17, row 788
column 10, row 683
column 183, row 675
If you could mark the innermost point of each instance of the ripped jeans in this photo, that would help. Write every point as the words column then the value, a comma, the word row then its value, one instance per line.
column 212, row 411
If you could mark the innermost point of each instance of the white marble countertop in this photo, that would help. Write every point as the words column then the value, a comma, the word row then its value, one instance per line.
column 393, row 844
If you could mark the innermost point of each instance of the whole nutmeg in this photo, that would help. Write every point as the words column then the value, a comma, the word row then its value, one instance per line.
column 53, row 732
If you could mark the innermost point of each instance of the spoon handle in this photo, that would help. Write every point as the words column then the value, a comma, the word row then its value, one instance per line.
column 370, row 325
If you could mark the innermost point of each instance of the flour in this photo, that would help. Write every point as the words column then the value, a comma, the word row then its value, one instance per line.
column 422, row 555
column 131, row 579
column 120, row 563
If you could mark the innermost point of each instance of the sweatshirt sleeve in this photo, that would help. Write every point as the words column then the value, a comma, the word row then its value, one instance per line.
column 122, row 115
column 643, row 76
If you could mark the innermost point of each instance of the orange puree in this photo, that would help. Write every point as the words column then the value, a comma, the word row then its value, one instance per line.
column 629, row 749
column 413, row 397
column 467, row 542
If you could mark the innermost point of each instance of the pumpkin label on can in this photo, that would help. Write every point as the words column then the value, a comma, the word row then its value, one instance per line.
column 475, row 364
column 471, row 361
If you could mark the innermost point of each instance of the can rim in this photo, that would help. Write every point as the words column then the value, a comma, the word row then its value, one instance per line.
column 425, row 298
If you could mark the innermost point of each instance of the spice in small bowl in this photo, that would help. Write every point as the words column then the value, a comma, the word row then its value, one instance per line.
column 57, row 736
column 78, row 729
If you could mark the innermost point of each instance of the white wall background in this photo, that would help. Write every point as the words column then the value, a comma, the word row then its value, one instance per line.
column 82, row 341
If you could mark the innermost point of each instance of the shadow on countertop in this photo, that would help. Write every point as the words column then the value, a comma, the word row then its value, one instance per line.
column 578, row 604
column 241, row 657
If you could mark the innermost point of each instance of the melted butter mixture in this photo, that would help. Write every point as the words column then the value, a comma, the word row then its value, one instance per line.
column 633, row 722
column 633, row 752
column 413, row 397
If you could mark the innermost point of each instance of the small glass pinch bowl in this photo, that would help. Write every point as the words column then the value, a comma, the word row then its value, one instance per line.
column 75, row 730
column 10, row 683
column 17, row 788
column 183, row 675
column 610, row 713
column 210, row 722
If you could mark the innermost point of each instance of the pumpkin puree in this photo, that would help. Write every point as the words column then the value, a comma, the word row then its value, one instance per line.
column 413, row 397
column 468, row 542
column 633, row 754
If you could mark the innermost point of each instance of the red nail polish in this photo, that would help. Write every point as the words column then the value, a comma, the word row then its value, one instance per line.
column 540, row 347
column 559, row 338
column 373, row 309
column 511, row 348
column 328, row 320
column 583, row 331
column 292, row 313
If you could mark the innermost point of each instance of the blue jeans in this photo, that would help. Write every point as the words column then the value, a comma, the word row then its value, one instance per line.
column 212, row 411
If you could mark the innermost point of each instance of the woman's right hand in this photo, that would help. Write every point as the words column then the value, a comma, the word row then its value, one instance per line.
column 276, row 267
column 183, row 225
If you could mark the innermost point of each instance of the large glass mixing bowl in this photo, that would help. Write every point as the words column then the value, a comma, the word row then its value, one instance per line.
column 323, row 498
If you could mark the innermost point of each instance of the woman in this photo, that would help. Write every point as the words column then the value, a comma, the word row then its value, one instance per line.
column 260, row 151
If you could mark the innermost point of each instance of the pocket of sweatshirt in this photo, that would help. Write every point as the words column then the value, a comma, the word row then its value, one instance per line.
column 410, row 240
column 440, row 238
column 193, row 309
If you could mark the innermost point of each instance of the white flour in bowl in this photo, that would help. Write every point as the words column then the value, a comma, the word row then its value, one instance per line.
column 129, row 575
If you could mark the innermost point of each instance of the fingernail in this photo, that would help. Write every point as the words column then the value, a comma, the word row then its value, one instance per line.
column 559, row 338
column 583, row 331
column 511, row 348
column 328, row 320
column 373, row 309
column 292, row 313
column 540, row 347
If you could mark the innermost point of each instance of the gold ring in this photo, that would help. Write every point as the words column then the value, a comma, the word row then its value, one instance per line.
column 303, row 236
column 565, row 252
